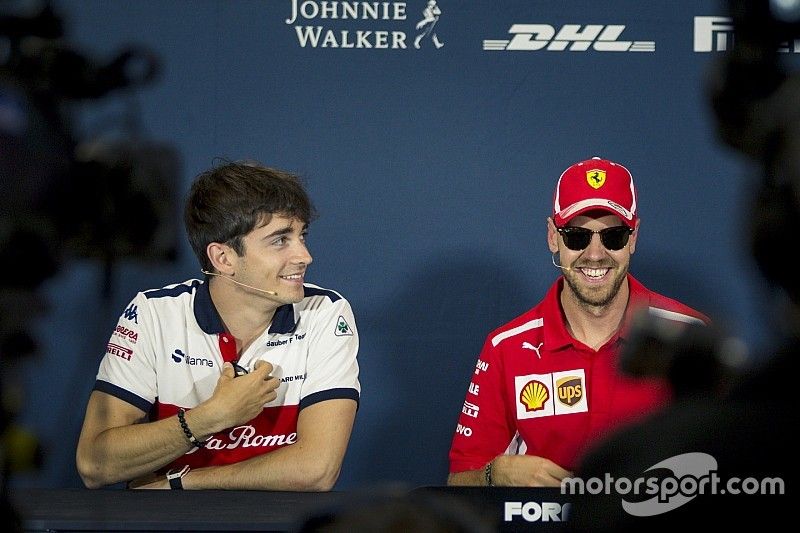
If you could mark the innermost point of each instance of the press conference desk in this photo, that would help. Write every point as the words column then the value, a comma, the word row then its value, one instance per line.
column 162, row 510
column 85, row 510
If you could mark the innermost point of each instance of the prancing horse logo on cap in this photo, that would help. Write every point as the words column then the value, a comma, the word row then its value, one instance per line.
column 595, row 178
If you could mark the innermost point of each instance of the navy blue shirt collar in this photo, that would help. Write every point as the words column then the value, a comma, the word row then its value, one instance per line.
column 210, row 322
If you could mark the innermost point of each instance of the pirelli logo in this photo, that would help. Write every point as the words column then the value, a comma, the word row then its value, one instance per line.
column 119, row 351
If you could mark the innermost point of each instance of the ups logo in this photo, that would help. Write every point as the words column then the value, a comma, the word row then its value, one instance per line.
column 570, row 390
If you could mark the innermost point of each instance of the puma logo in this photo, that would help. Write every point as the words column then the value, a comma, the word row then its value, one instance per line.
column 529, row 346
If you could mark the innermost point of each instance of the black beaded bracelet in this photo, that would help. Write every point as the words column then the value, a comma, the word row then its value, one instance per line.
column 187, row 431
column 487, row 474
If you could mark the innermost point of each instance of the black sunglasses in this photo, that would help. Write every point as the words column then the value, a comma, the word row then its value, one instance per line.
column 579, row 238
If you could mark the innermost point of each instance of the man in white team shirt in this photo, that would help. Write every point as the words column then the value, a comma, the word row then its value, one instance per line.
column 246, row 379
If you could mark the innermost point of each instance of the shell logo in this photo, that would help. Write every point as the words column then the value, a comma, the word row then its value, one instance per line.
column 534, row 395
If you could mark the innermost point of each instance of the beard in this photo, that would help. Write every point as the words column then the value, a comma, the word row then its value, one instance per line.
column 595, row 296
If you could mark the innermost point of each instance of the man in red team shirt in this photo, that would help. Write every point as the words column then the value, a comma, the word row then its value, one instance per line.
column 546, row 384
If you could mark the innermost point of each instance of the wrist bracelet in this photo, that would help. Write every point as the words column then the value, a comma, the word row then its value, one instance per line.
column 187, row 431
column 487, row 474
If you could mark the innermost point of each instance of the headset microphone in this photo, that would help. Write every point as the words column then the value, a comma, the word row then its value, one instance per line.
column 207, row 273
column 553, row 259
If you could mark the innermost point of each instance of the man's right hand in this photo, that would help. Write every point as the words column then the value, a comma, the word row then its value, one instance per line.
column 527, row 471
column 514, row 471
column 237, row 400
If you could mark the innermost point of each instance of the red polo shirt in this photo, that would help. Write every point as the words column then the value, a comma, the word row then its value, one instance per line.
column 538, row 391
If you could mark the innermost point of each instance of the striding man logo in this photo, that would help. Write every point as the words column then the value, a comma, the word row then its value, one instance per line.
column 430, row 16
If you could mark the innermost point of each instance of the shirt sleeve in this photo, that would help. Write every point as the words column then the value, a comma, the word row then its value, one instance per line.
column 332, row 370
column 127, row 369
column 484, row 429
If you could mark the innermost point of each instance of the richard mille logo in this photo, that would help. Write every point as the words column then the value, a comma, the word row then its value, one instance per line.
column 354, row 24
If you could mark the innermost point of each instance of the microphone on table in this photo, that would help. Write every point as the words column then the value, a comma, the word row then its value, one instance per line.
column 207, row 273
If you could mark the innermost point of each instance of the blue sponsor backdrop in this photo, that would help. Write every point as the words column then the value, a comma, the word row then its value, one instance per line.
column 433, row 170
